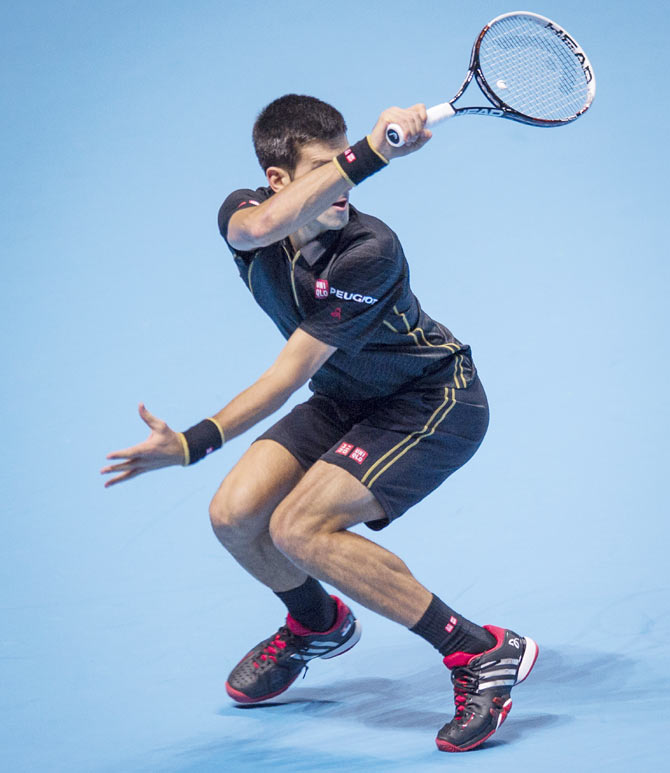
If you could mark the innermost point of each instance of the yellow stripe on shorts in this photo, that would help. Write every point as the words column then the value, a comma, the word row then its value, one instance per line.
column 401, row 448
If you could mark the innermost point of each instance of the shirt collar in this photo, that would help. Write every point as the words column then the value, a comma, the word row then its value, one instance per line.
column 313, row 251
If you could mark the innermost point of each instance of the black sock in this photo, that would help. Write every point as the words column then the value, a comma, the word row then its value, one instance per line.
column 310, row 605
column 448, row 632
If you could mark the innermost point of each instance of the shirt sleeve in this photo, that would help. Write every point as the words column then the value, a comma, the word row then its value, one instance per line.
column 240, row 199
column 358, row 295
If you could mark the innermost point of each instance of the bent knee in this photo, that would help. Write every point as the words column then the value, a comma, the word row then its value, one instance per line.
column 235, row 510
column 291, row 530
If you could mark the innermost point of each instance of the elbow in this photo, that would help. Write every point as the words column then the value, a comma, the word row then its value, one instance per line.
column 255, row 232
column 281, row 385
column 262, row 230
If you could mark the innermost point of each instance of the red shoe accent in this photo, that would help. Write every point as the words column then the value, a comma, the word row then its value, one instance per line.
column 457, row 659
column 499, row 633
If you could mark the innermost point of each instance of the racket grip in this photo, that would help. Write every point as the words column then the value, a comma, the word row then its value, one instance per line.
column 436, row 114
column 439, row 113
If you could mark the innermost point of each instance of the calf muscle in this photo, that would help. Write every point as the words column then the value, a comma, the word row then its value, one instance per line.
column 310, row 528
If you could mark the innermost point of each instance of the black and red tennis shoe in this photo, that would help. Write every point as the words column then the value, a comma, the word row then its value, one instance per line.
column 273, row 665
column 482, row 684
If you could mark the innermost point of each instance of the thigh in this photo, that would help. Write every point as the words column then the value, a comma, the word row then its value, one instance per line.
column 312, row 427
column 410, row 444
column 262, row 477
column 326, row 499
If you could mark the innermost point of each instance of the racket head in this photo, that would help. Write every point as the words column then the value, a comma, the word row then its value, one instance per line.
column 531, row 68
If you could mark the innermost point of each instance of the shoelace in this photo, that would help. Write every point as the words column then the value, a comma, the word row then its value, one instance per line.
column 465, row 683
column 279, row 641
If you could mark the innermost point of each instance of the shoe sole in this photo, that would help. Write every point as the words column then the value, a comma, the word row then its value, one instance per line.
column 240, row 697
column 528, row 659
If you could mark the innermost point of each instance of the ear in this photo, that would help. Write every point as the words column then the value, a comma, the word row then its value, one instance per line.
column 277, row 177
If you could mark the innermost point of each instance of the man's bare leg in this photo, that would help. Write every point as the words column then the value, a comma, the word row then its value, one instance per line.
column 310, row 528
column 241, row 509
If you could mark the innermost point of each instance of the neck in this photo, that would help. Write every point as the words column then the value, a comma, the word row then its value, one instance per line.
column 306, row 234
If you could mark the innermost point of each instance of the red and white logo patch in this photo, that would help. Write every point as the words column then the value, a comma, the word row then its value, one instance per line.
column 350, row 155
column 449, row 627
column 358, row 455
column 344, row 449
column 322, row 288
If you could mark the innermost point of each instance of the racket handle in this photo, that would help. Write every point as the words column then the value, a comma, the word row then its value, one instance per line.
column 436, row 114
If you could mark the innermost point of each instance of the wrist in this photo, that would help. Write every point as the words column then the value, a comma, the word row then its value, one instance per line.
column 360, row 161
column 200, row 440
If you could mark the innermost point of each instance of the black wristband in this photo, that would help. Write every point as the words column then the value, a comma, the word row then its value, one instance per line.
column 202, row 439
column 359, row 161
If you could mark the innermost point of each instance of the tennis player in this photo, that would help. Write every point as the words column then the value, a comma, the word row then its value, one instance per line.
column 396, row 408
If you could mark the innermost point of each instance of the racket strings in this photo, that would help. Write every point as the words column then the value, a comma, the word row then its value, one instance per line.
column 532, row 70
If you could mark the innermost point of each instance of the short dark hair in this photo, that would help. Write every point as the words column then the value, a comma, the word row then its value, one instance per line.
column 290, row 122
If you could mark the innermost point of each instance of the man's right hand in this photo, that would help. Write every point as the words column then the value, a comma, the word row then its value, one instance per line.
column 411, row 120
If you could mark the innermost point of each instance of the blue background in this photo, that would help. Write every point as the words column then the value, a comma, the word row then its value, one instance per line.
column 123, row 126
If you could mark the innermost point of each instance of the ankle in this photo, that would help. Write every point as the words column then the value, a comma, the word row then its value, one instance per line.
column 449, row 632
column 310, row 606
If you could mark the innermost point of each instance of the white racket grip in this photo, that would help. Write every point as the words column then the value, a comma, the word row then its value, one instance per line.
column 436, row 114
column 439, row 113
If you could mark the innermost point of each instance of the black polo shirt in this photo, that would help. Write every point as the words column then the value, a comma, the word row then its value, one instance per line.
column 350, row 289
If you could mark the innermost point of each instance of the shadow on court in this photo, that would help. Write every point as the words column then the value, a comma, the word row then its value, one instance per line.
column 406, row 712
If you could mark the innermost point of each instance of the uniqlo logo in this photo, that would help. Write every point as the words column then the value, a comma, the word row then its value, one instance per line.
column 449, row 627
column 344, row 449
column 359, row 455
column 322, row 289
column 350, row 155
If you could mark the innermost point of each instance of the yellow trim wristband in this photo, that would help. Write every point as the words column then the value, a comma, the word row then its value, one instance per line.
column 359, row 161
column 201, row 439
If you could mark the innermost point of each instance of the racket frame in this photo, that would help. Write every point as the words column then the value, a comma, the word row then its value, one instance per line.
column 499, row 109
column 502, row 110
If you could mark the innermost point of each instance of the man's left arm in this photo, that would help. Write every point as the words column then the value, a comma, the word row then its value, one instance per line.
column 297, row 362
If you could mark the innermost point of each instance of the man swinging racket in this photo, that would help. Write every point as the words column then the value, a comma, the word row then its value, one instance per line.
column 396, row 408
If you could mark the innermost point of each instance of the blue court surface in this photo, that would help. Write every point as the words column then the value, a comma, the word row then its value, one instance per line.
column 124, row 124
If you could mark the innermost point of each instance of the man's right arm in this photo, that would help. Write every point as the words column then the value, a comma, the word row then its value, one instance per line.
column 289, row 209
column 307, row 197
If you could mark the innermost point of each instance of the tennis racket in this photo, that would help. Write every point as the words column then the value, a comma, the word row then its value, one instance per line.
column 528, row 68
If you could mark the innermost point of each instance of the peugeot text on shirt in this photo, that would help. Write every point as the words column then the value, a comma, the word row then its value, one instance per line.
column 345, row 296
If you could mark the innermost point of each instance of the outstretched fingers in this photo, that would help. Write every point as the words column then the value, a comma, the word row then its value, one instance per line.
column 127, row 453
column 130, row 464
column 125, row 476
column 128, row 469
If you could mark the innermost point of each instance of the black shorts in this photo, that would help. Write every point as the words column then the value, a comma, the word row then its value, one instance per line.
column 400, row 447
